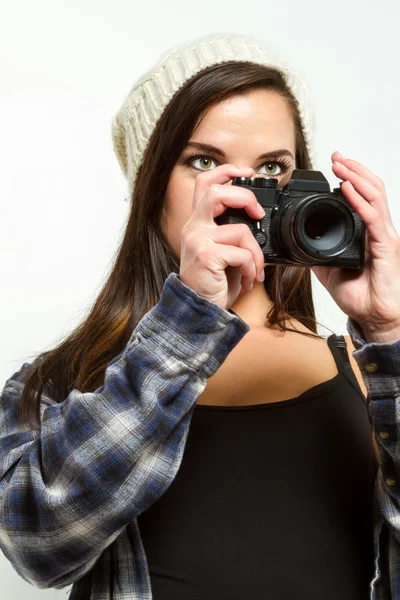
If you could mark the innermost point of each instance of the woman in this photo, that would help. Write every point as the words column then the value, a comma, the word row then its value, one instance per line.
column 269, row 495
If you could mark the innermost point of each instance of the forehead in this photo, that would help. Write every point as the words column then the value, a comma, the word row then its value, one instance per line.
column 259, row 116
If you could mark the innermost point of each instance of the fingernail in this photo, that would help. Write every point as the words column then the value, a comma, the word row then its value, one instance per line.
column 338, row 164
column 262, row 275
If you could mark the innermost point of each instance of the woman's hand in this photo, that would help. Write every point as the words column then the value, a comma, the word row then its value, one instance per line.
column 218, row 260
column 371, row 296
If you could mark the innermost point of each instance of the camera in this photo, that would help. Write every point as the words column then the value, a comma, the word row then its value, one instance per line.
column 305, row 223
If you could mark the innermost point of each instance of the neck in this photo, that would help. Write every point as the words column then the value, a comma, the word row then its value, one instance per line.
column 252, row 306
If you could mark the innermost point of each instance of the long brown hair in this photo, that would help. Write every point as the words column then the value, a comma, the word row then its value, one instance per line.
column 144, row 258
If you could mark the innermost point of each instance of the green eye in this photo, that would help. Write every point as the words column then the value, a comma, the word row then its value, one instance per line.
column 270, row 168
column 204, row 163
column 200, row 162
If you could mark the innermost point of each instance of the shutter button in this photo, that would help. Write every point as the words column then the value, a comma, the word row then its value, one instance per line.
column 371, row 367
column 390, row 482
column 384, row 435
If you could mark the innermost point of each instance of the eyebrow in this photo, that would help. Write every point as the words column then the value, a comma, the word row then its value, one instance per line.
column 215, row 150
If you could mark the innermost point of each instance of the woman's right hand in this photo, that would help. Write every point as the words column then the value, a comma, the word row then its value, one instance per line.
column 218, row 261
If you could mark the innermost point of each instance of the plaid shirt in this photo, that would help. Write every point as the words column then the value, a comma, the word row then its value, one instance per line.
column 71, row 491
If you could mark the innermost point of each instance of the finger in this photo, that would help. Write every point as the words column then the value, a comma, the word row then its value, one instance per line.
column 232, row 256
column 359, row 168
column 377, row 230
column 240, row 236
column 362, row 185
column 221, row 175
column 369, row 192
column 219, row 197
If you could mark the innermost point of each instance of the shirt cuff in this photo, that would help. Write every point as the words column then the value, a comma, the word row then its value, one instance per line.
column 191, row 328
column 379, row 362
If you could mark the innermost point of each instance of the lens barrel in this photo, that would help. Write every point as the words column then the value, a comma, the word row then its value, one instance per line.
column 317, row 227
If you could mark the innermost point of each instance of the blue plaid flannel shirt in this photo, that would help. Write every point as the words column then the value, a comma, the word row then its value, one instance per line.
column 70, row 492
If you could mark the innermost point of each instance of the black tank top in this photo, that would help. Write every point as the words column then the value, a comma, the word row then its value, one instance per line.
column 271, row 501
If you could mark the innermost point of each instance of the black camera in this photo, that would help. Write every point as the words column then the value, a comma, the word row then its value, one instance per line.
column 305, row 224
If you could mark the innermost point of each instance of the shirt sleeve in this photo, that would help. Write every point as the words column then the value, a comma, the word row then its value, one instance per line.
column 379, row 364
column 100, row 458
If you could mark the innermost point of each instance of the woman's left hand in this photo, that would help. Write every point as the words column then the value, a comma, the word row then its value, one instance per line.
column 371, row 296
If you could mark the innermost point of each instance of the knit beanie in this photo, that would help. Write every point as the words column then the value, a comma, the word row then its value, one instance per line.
column 135, row 121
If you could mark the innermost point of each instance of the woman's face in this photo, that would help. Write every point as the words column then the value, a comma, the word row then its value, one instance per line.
column 241, row 129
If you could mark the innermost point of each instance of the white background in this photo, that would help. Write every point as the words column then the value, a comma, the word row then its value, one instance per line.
column 66, row 68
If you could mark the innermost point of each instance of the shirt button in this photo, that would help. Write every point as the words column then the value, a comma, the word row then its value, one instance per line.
column 384, row 435
column 390, row 482
column 371, row 367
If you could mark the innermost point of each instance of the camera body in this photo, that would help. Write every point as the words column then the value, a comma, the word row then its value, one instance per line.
column 305, row 224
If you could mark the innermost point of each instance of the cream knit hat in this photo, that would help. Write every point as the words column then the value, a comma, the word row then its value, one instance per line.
column 135, row 121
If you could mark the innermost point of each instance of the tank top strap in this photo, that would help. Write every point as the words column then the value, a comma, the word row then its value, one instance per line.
column 338, row 347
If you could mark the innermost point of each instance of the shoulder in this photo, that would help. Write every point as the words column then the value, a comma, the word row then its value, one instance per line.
column 354, row 365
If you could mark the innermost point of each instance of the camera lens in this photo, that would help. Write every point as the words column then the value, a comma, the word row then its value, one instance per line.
column 316, row 227
column 324, row 227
